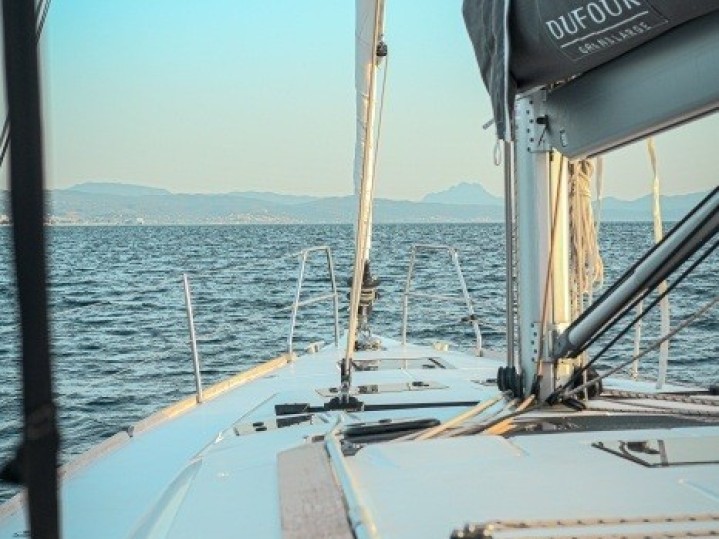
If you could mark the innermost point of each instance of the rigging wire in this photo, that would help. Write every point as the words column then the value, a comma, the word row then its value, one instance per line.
column 658, row 299
column 559, row 392
column 703, row 310
column 648, row 282
column 380, row 115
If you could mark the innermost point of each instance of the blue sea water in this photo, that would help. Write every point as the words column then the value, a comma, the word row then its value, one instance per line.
column 119, row 326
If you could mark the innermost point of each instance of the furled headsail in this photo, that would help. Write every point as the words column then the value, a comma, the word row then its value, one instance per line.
column 369, row 27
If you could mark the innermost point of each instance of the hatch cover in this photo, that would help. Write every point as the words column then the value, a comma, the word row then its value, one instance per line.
column 661, row 453
column 274, row 423
column 373, row 389
column 400, row 363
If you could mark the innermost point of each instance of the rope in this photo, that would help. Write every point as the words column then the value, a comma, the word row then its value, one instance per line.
column 654, row 410
column 524, row 408
column 664, row 304
column 658, row 235
column 505, row 425
column 698, row 525
column 669, row 397
column 550, row 265
column 585, row 262
column 454, row 421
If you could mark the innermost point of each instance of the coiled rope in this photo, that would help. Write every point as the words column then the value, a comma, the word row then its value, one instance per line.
column 586, row 265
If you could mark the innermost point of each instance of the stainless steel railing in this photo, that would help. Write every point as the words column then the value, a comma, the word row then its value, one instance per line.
column 463, row 298
column 297, row 303
column 193, row 337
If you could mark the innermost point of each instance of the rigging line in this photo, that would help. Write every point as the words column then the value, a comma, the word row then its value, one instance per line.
column 379, row 116
column 619, row 395
column 650, row 287
column 658, row 234
column 630, row 271
column 486, row 418
column 576, row 376
column 651, row 408
column 503, row 426
column 655, row 301
column 705, row 416
column 482, row 428
column 454, row 421
column 41, row 11
column 550, row 266
column 654, row 346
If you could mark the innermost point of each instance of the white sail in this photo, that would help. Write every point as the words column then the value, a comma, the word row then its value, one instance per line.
column 368, row 21
column 368, row 14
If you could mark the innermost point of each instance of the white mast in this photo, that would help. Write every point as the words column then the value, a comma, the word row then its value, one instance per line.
column 369, row 21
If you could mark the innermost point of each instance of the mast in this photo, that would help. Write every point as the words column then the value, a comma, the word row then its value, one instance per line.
column 542, row 237
column 369, row 21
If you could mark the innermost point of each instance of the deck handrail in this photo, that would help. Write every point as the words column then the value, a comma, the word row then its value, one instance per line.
column 463, row 298
column 303, row 256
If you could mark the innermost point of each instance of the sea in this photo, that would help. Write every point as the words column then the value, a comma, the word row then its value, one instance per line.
column 119, row 326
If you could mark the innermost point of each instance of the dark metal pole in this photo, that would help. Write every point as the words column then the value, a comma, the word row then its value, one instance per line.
column 685, row 239
column 39, row 451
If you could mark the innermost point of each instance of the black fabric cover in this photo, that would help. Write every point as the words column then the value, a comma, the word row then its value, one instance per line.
column 552, row 40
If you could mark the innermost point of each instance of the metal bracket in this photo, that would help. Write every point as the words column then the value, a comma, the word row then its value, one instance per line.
column 556, row 372
column 536, row 340
column 533, row 106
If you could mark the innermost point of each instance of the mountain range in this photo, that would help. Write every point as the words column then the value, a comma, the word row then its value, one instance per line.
column 118, row 203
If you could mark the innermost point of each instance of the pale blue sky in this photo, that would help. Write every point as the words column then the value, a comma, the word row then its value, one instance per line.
column 225, row 95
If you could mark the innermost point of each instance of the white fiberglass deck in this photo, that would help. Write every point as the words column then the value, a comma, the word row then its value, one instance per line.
column 212, row 469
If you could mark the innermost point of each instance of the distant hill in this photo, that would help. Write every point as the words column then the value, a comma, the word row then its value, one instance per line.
column 106, row 203
column 673, row 207
column 118, row 189
column 275, row 198
column 464, row 193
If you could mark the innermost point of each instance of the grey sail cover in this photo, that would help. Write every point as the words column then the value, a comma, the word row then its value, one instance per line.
column 522, row 44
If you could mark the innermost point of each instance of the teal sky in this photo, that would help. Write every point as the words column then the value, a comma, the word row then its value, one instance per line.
column 224, row 95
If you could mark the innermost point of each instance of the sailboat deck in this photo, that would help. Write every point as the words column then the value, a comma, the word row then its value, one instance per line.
column 187, row 475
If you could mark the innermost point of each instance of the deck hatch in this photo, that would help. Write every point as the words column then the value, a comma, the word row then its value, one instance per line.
column 662, row 453
column 374, row 389
column 383, row 364
column 243, row 429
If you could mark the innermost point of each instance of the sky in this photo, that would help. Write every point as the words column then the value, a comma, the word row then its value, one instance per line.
column 237, row 95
